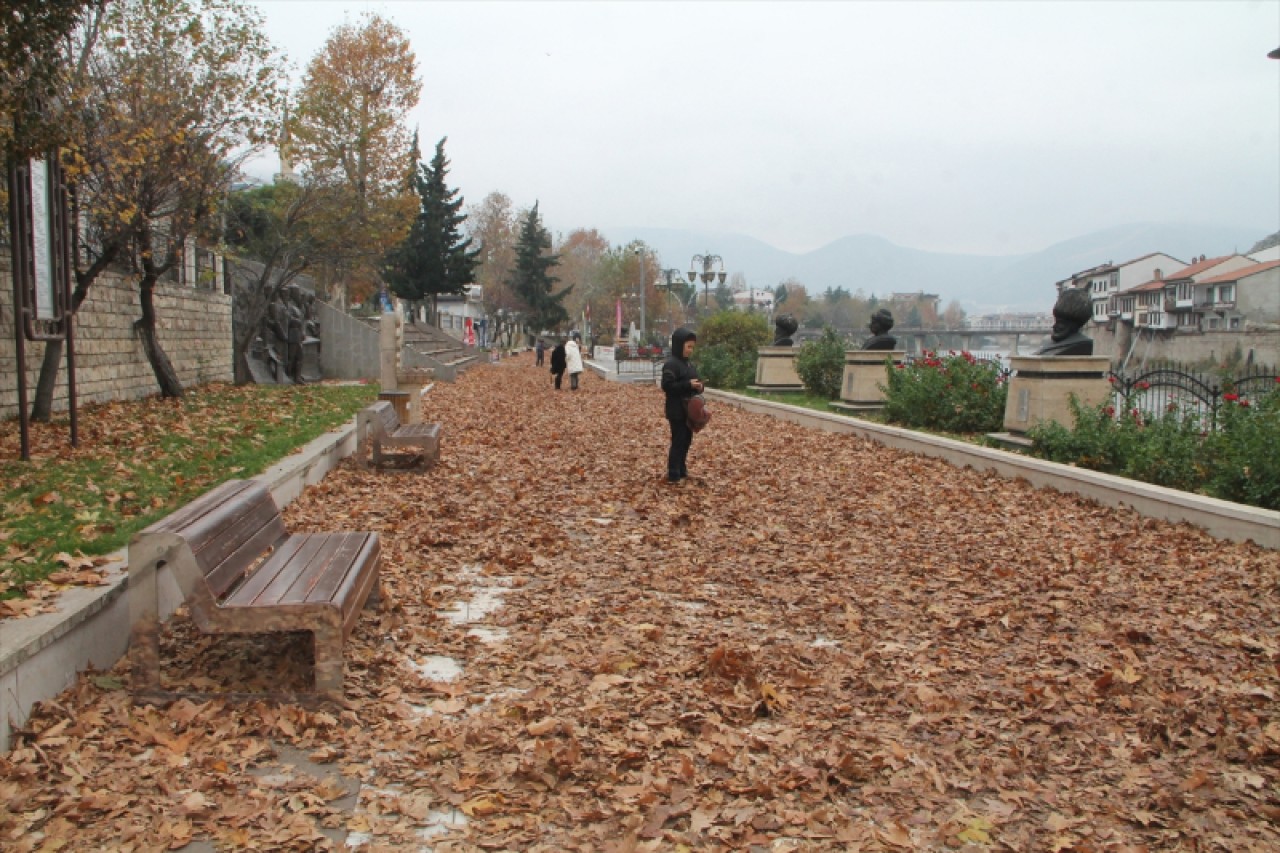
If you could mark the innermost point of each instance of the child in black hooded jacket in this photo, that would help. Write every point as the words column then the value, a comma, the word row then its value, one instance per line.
column 679, row 382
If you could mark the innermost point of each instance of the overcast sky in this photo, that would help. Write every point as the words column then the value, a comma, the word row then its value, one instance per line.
column 983, row 127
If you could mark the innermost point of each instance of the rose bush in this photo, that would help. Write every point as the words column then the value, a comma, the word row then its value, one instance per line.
column 953, row 393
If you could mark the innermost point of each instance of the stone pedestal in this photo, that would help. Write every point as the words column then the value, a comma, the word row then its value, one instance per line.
column 415, row 381
column 776, row 370
column 311, row 360
column 1041, row 388
column 864, row 373
column 389, row 351
column 400, row 400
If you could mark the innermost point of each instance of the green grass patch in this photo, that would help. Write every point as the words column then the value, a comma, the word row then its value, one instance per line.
column 140, row 460
column 793, row 398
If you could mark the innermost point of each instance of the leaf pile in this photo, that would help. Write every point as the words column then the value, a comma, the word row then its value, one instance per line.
column 823, row 644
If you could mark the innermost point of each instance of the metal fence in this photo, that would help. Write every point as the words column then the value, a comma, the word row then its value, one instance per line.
column 1168, row 387
column 638, row 362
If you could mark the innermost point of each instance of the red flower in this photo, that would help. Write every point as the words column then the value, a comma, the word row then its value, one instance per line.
column 1111, row 411
column 1244, row 404
column 1142, row 386
column 1231, row 398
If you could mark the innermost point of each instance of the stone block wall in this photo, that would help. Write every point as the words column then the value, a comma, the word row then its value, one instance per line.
column 194, row 328
column 1260, row 345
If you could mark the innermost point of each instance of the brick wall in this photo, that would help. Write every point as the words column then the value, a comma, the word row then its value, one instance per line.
column 194, row 329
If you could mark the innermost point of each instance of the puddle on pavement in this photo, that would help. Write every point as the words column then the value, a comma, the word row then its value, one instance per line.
column 437, row 668
column 487, row 594
column 486, row 597
column 434, row 822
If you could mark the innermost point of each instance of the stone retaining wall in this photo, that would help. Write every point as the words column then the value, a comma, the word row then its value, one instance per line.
column 349, row 347
column 194, row 328
column 1262, row 345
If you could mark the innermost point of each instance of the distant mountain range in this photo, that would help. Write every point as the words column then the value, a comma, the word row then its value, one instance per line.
column 981, row 283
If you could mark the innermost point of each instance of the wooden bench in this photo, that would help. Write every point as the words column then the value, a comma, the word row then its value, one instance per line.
column 241, row 572
column 379, row 426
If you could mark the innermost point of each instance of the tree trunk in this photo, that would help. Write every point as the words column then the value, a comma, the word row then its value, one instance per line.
column 145, row 326
column 240, row 364
column 42, row 404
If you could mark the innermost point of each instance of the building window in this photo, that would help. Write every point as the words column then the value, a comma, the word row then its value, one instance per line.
column 1235, row 323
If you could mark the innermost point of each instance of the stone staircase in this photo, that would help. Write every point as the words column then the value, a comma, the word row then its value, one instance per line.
column 425, row 346
column 427, row 351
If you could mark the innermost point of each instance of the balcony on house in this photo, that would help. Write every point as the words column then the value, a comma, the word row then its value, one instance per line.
column 1223, row 297
column 1150, row 319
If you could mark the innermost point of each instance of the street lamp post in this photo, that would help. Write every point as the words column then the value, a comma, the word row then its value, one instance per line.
column 640, row 255
column 708, row 274
column 672, row 276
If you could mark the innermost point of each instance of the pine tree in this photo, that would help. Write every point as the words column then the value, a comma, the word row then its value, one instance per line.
column 532, row 281
column 435, row 258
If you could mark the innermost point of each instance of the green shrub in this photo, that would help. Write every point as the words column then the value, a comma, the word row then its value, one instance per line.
column 1246, row 463
column 820, row 364
column 740, row 333
column 1167, row 451
column 720, row 367
column 1236, row 462
column 953, row 393
column 726, row 350
column 1095, row 440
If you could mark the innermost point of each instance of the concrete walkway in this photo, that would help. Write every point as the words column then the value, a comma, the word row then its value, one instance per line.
column 548, row 671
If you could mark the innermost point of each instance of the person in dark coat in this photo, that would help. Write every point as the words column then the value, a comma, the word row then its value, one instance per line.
column 540, row 350
column 558, row 363
column 680, row 382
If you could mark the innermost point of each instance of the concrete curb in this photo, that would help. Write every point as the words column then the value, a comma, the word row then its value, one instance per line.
column 1222, row 519
column 41, row 655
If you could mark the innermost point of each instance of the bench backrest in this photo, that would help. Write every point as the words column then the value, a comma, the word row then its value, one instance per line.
column 383, row 418
column 228, row 530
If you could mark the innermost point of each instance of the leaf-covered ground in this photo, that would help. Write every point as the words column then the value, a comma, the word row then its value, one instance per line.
column 821, row 645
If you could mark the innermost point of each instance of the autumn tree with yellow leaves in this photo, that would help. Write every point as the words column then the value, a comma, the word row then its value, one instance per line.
column 348, row 130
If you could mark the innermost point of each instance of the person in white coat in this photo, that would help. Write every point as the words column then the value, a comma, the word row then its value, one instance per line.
column 573, row 359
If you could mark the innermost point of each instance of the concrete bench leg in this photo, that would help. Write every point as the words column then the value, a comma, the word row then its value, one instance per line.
column 328, row 661
column 144, row 633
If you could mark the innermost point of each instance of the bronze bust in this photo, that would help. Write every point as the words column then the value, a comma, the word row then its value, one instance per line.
column 783, row 328
column 1072, row 310
column 881, row 323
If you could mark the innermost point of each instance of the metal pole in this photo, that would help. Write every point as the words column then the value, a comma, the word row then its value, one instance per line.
column 19, row 236
column 643, row 339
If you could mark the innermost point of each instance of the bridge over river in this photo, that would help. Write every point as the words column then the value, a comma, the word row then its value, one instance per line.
column 1020, row 341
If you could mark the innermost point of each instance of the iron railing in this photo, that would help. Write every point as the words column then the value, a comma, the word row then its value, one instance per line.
column 636, row 362
column 1168, row 387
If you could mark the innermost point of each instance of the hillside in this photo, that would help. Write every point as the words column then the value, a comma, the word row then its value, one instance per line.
column 980, row 282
